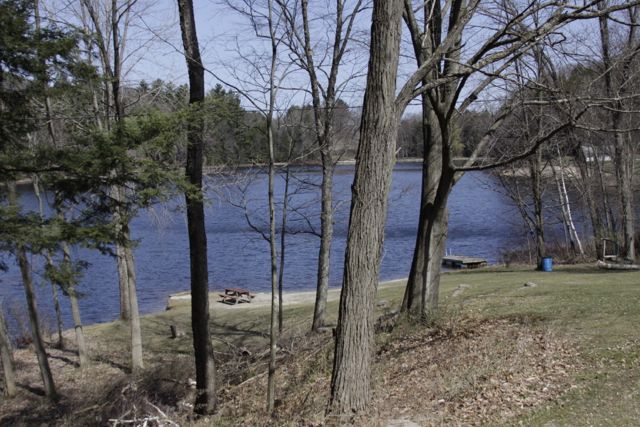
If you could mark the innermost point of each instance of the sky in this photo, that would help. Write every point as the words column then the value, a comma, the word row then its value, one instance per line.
column 232, row 53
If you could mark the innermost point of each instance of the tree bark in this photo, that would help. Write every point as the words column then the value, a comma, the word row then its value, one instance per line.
column 431, row 279
column 205, row 366
column 34, row 322
column 565, row 206
column 624, row 178
column 123, row 280
column 273, row 331
column 6, row 354
column 83, row 355
column 326, row 237
column 536, row 193
column 622, row 152
column 587, row 189
column 134, row 313
column 36, row 180
column 350, row 382
column 283, row 243
column 54, row 289
column 421, row 293
column 431, row 173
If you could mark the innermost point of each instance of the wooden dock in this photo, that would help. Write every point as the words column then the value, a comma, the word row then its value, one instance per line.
column 454, row 261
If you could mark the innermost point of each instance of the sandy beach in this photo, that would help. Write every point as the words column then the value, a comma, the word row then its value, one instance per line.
column 262, row 299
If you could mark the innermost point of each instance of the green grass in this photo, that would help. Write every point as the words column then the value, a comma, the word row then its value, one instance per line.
column 597, row 311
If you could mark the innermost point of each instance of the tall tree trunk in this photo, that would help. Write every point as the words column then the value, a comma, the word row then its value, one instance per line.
column 273, row 332
column 83, row 355
column 587, row 189
column 431, row 173
column 535, row 172
column 565, row 206
column 350, row 382
column 323, row 115
column 283, row 245
column 121, row 257
column 34, row 322
column 36, row 181
column 624, row 178
column 108, row 50
column 127, row 280
column 6, row 355
column 123, row 283
column 609, row 217
column 134, row 312
column 622, row 152
column 326, row 237
column 431, row 278
column 205, row 366
column 54, row 288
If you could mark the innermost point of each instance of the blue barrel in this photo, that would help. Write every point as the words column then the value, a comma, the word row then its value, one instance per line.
column 547, row 264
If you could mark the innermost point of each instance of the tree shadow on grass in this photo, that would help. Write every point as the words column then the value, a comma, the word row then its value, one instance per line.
column 68, row 361
column 31, row 389
column 112, row 363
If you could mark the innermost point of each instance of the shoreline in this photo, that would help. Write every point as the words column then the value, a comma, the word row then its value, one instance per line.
column 263, row 299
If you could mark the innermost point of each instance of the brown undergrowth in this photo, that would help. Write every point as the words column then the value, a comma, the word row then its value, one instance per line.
column 460, row 371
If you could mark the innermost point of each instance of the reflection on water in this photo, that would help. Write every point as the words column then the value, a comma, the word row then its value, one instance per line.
column 482, row 223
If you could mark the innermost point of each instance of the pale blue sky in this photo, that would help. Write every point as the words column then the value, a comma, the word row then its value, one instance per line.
column 155, row 47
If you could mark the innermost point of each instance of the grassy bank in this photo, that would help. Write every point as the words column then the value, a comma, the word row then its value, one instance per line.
column 562, row 351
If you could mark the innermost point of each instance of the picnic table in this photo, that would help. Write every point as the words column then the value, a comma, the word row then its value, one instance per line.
column 235, row 296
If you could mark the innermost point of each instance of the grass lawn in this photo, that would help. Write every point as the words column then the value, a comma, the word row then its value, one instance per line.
column 563, row 352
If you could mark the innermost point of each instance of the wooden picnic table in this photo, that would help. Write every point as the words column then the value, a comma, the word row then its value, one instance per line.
column 455, row 261
column 236, row 295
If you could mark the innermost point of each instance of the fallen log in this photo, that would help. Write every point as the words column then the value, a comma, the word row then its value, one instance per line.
column 615, row 266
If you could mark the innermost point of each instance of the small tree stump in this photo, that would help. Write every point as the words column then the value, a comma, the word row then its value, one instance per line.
column 174, row 332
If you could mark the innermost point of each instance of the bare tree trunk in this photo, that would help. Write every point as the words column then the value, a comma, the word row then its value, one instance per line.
column 431, row 174
column 56, row 307
column 113, row 101
column 34, row 322
column 273, row 331
column 134, row 319
column 83, row 355
column 587, row 190
column 624, row 178
column 326, row 237
column 123, row 279
column 565, row 205
column 283, row 246
column 54, row 289
column 36, row 181
column 350, row 382
column 6, row 354
column 622, row 151
column 609, row 218
column 273, row 334
column 127, row 280
column 535, row 173
column 437, row 246
column 323, row 114
column 205, row 366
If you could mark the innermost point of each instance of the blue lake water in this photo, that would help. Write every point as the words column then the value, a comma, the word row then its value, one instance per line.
column 482, row 222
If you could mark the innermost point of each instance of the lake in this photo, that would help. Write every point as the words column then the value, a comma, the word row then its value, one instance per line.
column 482, row 223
